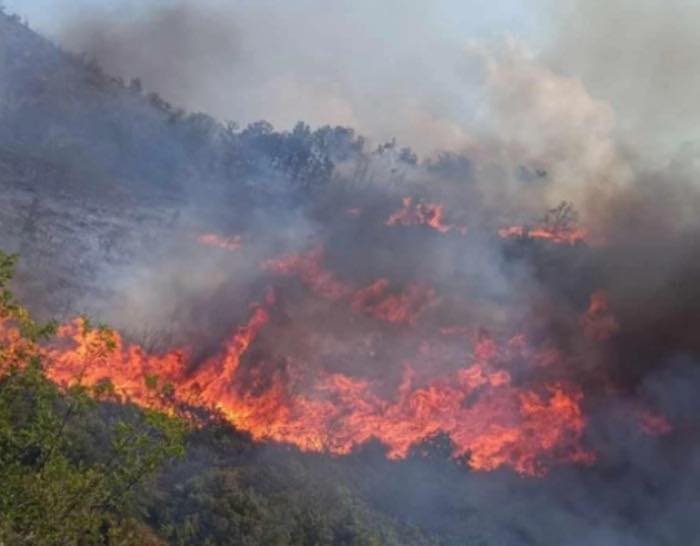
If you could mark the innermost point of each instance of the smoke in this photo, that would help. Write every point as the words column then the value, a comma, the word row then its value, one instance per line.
column 527, row 130
column 359, row 65
column 345, row 65
column 491, row 99
column 534, row 116
column 176, row 49
column 639, row 56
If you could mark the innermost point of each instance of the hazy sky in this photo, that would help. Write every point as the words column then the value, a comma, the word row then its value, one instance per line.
column 389, row 68
column 415, row 70
column 459, row 18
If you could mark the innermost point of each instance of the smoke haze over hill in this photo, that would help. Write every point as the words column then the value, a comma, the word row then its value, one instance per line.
column 528, row 365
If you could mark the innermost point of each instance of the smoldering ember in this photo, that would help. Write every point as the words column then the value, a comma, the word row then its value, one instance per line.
column 457, row 304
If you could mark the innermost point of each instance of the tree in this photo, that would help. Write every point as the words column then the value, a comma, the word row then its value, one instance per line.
column 58, row 487
column 563, row 217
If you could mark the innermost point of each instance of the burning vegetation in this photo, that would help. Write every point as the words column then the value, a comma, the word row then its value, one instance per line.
column 452, row 381
column 558, row 226
column 368, row 348
column 427, row 214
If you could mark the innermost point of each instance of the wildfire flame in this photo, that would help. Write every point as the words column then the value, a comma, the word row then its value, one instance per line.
column 561, row 236
column 427, row 214
column 490, row 419
column 491, row 422
column 377, row 300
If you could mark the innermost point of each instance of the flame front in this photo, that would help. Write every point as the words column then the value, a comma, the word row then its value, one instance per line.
column 490, row 421
column 456, row 384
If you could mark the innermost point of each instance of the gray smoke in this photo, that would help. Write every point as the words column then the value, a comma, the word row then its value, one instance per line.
column 639, row 56
column 325, row 64
column 570, row 122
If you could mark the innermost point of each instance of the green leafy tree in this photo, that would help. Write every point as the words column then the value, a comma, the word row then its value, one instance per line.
column 57, row 488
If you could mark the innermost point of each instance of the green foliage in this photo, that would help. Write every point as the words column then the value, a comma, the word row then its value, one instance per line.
column 231, row 492
column 52, row 493
column 78, row 469
column 9, row 309
column 257, row 504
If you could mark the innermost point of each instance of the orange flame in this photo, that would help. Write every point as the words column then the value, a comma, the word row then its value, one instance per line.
column 561, row 236
column 376, row 300
column 490, row 422
column 427, row 214
column 402, row 308
column 309, row 268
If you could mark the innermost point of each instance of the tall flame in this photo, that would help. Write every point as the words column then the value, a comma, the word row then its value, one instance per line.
column 471, row 398
column 490, row 421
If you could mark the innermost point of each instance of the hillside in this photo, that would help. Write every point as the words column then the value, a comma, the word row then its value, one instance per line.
column 318, row 340
column 94, row 173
